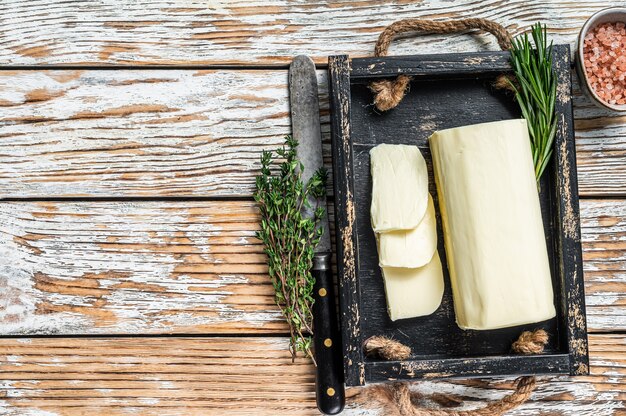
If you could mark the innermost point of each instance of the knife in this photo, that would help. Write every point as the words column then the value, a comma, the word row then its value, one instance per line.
column 305, row 122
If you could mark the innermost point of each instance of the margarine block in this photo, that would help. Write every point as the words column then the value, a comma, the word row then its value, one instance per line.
column 413, row 292
column 493, row 231
column 399, row 187
column 410, row 248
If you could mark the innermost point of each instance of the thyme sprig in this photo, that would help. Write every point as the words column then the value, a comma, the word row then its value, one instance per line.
column 290, row 237
column 535, row 91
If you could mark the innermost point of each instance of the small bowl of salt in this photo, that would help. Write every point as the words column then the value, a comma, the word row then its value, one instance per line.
column 601, row 58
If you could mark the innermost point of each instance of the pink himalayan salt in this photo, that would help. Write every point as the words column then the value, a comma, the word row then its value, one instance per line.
column 604, row 59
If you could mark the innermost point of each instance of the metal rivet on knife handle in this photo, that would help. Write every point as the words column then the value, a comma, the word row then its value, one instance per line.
column 322, row 292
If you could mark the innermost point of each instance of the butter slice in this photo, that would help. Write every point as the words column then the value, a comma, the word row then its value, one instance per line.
column 410, row 248
column 399, row 187
column 414, row 292
column 493, row 231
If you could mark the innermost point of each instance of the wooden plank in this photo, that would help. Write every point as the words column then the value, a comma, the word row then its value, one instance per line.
column 603, row 230
column 153, row 376
column 600, row 146
column 260, row 32
column 482, row 64
column 245, row 376
column 157, row 133
column 122, row 267
column 468, row 366
column 137, row 133
column 347, row 251
column 196, row 267
column 568, row 239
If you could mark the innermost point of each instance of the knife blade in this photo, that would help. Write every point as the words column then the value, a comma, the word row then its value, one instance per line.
column 305, row 122
column 305, row 125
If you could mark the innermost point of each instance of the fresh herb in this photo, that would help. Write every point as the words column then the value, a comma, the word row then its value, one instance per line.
column 535, row 91
column 290, row 238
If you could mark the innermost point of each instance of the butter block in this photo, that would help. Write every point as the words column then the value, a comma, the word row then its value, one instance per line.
column 399, row 187
column 493, row 231
column 410, row 248
column 413, row 292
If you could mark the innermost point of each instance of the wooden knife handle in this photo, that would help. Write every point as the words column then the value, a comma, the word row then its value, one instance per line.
column 329, row 383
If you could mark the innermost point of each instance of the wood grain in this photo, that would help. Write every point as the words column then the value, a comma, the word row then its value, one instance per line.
column 195, row 267
column 260, row 32
column 137, row 133
column 600, row 146
column 567, row 216
column 347, row 255
column 163, row 133
column 130, row 268
column 603, row 229
column 186, row 267
column 244, row 376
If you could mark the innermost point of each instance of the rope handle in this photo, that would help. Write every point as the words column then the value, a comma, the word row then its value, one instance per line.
column 389, row 93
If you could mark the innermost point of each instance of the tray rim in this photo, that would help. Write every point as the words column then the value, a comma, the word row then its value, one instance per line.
column 342, row 71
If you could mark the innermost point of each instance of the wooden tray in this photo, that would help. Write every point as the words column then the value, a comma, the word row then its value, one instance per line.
column 447, row 91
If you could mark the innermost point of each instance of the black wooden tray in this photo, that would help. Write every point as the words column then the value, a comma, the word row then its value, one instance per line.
column 447, row 91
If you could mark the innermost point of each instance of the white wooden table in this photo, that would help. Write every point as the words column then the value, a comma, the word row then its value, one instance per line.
column 130, row 136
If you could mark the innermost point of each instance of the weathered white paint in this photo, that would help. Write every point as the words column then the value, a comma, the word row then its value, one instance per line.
column 603, row 229
column 199, row 376
column 160, row 133
column 82, row 268
column 600, row 146
column 16, row 411
column 195, row 267
column 137, row 133
column 129, row 32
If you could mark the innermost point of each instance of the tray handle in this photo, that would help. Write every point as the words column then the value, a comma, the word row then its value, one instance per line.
column 389, row 93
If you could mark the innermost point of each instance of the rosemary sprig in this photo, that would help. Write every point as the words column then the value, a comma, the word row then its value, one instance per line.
column 290, row 238
column 535, row 91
